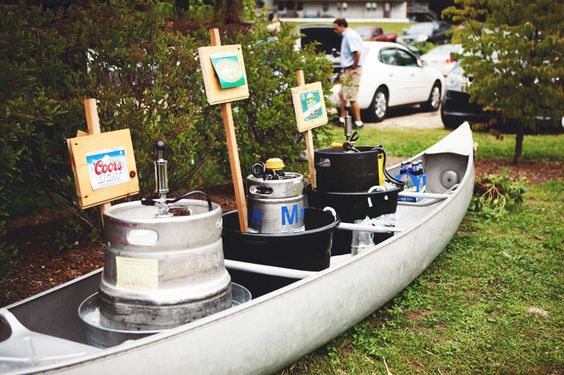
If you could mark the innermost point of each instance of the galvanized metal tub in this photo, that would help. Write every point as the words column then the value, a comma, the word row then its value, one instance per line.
column 103, row 337
column 276, row 206
column 160, row 272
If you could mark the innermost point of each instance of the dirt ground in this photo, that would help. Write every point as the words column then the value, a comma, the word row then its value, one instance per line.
column 40, row 265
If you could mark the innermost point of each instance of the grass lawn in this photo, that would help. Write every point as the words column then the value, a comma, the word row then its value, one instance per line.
column 490, row 303
column 407, row 142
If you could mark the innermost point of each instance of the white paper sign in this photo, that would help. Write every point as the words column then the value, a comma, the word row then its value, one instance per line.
column 107, row 167
column 137, row 274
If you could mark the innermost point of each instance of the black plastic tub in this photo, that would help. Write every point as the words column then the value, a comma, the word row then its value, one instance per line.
column 341, row 171
column 353, row 206
column 309, row 250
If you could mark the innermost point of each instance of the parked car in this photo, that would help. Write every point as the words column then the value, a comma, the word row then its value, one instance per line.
column 420, row 32
column 442, row 57
column 456, row 107
column 328, row 41
column 375, row 33
column 392, row 76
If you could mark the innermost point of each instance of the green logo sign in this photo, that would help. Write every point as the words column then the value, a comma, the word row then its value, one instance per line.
column 228, row 70
column 311, row 105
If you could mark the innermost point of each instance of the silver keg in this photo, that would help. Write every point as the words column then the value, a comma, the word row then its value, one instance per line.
column 161, row 271
column 275, row 205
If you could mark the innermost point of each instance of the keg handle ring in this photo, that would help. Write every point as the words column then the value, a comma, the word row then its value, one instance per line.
column 258, row 170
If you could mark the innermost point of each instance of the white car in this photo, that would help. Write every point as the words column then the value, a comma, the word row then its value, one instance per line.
column 442, row 58
column 393, row 76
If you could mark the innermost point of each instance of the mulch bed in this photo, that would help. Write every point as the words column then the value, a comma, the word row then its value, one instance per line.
column 40, row 265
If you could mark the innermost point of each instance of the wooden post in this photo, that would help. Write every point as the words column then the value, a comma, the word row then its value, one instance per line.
column 308, row 139
column 233, row 151
column 93, row 122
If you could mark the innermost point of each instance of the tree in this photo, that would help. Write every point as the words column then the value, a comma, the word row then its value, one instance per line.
column 513, row 49
column 145, row 73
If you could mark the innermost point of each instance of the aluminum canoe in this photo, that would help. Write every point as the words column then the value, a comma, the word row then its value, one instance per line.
column 44, row 334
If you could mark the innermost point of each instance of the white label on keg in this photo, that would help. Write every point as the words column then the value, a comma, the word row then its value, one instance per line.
column 107, row 167
column 137, row 274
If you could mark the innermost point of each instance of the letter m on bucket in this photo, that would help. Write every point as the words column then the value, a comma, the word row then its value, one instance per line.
column 291, row 218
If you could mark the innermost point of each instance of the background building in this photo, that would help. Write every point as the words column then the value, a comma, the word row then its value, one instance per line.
column 335, row 9
column 416, row 10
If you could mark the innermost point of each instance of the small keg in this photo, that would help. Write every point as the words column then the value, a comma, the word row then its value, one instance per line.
column 160, row 272
column 164, row 260
column 274, row 198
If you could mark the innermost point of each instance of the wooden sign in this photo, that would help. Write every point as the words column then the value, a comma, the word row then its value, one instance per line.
column 208, row 57
column 223, row 70
column 309, row 106
column 103, row 166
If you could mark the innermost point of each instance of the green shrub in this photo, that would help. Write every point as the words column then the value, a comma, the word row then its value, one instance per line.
column 494, row 196
column 146, row 77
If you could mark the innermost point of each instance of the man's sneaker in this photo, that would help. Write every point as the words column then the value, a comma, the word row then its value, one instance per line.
column 358, row 125
column 342, row 120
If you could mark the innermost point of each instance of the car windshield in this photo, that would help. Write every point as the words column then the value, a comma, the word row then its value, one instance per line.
column 326, row 38
column 420, row 28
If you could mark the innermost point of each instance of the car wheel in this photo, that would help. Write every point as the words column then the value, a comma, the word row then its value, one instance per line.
column 449, row 122
column 434, row 101
column 379, row 106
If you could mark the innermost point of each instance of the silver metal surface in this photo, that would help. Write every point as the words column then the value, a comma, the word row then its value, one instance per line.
column 102, row 336
column 367, row 228
column 415, row 194
column 23, row 348
column 449, row 178
column 268, row 270
column 160, row 272
column 276, row 206
column 274, row 330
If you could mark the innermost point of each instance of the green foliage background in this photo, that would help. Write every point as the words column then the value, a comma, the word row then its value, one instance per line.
column 514, row 51
column 139, row 59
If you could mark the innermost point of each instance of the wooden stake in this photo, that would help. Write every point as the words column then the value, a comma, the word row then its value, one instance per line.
column 93, row 122
column 233, row 150
column 308, row 139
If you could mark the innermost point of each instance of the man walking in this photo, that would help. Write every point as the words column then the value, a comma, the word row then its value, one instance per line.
column 352, row 57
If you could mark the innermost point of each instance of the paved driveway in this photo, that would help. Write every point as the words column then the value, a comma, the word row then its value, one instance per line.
column 409, row 117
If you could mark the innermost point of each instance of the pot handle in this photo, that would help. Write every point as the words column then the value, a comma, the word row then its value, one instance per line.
column 323, row 163
column 332, row 210
column 374, row 188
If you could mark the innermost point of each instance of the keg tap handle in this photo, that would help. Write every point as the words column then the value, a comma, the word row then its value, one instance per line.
column 348, row 127
column 350, row 136
column 161, row 176
column 161, row 179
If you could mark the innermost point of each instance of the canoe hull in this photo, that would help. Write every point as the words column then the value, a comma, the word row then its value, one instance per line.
column 274, row 330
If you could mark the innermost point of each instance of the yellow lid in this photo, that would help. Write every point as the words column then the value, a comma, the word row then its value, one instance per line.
column 336, row 145
column 275, row 164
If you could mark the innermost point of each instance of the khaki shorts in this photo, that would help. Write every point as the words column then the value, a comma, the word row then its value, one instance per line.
column 350, row 80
